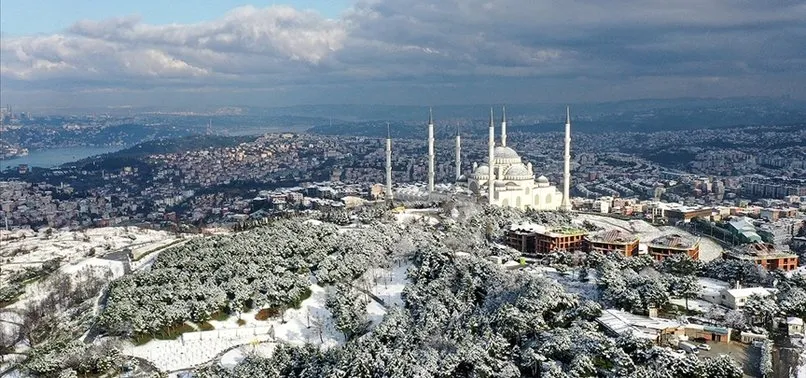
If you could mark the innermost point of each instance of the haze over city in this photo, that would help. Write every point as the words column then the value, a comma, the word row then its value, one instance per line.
column 397, row 52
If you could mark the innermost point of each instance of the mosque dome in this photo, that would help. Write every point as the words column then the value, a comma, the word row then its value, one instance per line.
column 506, row 155
column 517, row 172
column 481, row 171
column 542, row 181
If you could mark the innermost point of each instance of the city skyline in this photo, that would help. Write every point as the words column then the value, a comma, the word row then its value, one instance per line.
column 395, row 52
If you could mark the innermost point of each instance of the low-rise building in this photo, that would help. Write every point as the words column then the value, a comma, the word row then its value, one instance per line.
column 749, row 337
column 794, row 326
column 538, row 239
column 611, row 241
column 560, row 239
column 618, row 322
column 764, row 254
column 744, row 230
column 660, row 331
column 522, row 238
column 673, row 244
column 737, row 298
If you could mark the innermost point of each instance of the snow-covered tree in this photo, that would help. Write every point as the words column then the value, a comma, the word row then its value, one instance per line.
column 792, row 301
column 680, row 265
column 735, row 319
column 761, row 309
column 744, row 272
column 348, row 309
column 765, row 361
column 721, row 367
column 685, row 287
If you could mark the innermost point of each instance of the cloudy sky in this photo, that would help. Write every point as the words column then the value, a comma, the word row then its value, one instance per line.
column 153, row 52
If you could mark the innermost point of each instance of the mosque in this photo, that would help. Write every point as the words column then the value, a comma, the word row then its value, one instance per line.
column 510, row 182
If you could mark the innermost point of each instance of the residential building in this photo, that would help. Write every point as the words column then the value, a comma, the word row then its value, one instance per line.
column 794, row 326
column 737, row 298
column 764, row 254
column 611, row 241
column 537, row 239
column 660, row 331
column 673, row 244
column 559, row 239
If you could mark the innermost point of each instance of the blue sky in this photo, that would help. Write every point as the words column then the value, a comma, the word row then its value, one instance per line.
column 27, row 17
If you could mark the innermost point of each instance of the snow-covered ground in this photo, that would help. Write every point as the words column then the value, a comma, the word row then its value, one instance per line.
column 73, row 247
column 698, row 305
column 172, row 355
column 386, row 284
column 413, row 215
column 646, row 232
column 37, row 247
column 233, row 357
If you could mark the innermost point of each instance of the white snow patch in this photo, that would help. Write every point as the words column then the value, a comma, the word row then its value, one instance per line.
column 312, row 222
column 174, row 355
column 375, row 313
column 414, row 215
column 698, row 305
column 388, row 284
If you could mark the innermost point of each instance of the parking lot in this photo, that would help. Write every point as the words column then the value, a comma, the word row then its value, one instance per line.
column 746, row 355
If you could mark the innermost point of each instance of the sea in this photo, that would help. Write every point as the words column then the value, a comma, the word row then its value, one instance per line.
column 53, row 157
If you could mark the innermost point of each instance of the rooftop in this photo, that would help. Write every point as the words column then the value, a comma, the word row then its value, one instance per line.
column 613, row 236
column 568, row 230
column 759, row 250
column 622, row 322
column 748, row 291
column 742, row 224
column 543, row 230
column 675, row 241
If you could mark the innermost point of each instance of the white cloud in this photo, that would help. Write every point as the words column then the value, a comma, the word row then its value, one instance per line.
column 458, row 43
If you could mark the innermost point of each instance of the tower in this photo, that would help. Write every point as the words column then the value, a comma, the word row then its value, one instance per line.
column 389, row 194
column 491, row 160
column 458, row 154
column 566, row 203
column 430, row 151
column 504, row 126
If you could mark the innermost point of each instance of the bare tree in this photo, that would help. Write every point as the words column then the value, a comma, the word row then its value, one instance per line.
column 33, row 317
column 319, row 323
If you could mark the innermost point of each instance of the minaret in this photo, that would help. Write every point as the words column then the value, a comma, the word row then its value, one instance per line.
column 491, row 160
column 504, row 127
column 458, row 154
column 389, row 194
column 430, row 151
column 566, row 203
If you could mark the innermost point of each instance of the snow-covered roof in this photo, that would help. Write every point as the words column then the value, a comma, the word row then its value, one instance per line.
column 792, row 320
column 528, row 227
column 614, row 236
column 622, row 322
column 675, row 241
column 743, row 224
column 748, row 291
column 712, row 286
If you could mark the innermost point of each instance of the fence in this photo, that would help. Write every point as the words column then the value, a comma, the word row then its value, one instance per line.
column 228, row 333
